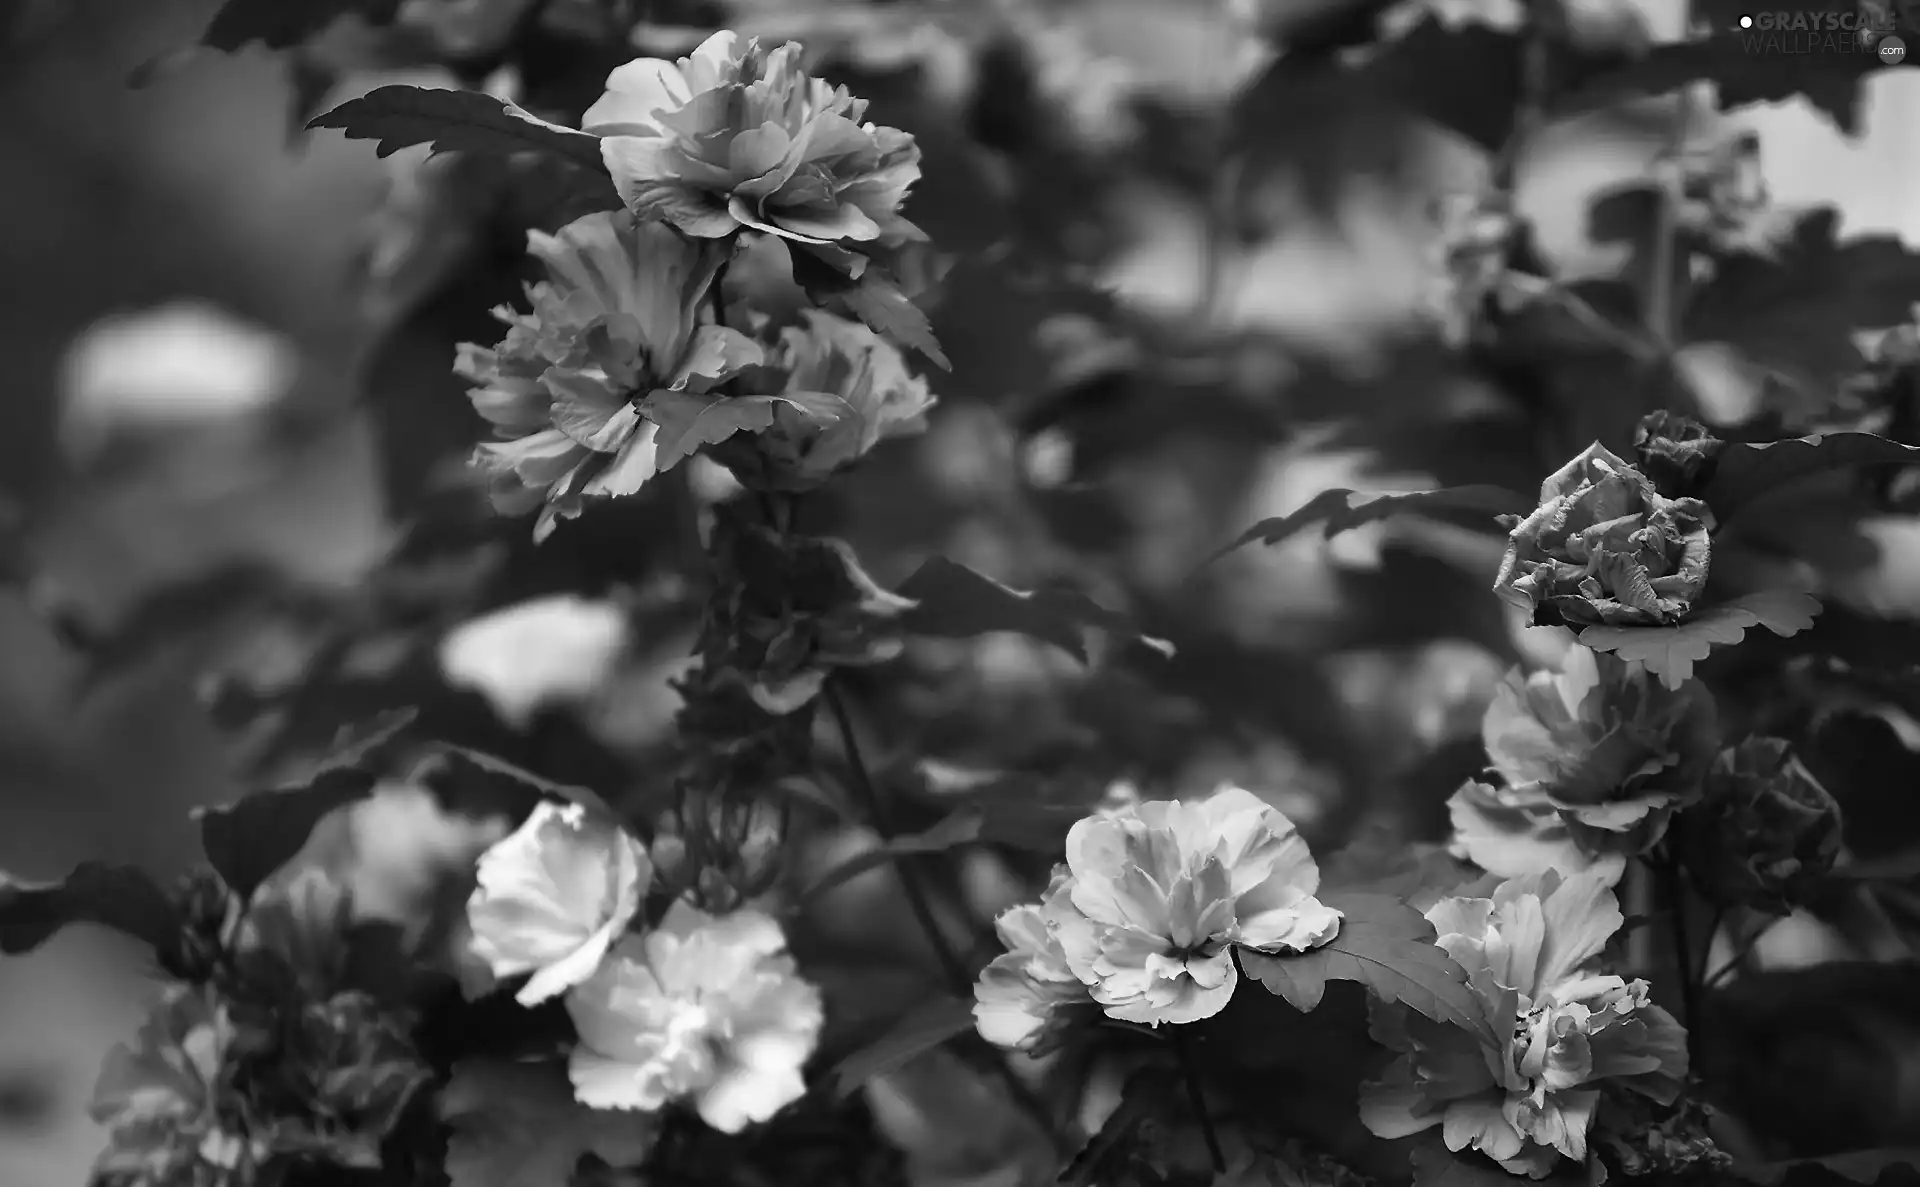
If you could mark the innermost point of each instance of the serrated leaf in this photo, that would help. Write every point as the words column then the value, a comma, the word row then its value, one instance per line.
column 687, row 421
column 1385, row 945
column 954, row 602
column 1671, row 652
column 920, row 1030
column 123, row 898
column 279, row 24
column 516, row 1124
column 959, row 828
column 1336, row 509
column 875, row 298
column 248, row 840
column 450, row 120
column 1746, row 471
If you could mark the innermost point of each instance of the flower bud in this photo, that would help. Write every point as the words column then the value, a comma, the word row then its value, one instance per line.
column 1766, row 831
column 207, row 911
column 1676, row 452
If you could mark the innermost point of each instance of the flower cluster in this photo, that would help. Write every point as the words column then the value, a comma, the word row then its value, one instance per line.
column 698, row 1008
column 1561, row 1030
column 1143, row 916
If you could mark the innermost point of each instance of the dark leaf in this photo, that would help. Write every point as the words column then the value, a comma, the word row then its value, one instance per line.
column 479, row 785
column 1436, row 1166
column 920, row 1030
column 875, row 298
column 1670, row 652
column 1465, row 78
column 125, row 899
column 1384, row 945
column 278, row 24
column 398, row 117
column 1747, row 471
column 957, row 603
column 1861, row 1166
column 961, row 828
column 248, row 840
column 1336, row 510
column 1795, row 310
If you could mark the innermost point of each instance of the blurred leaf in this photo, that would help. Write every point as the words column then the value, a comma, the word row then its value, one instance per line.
column 123, row 898
column 920, row 1030
column 279, row 24
column 1861, row 1166
column 960, row 828
column 476, row 784
column 1746, row 471
column 248, row 840
column 516, row 1124
column 1335, row 508
column 1465, row 78
column 450, row 120
column 1795, row 311
column 178, row 614
column 875, row 298
column 957, row 603
column 1384, row 945
column 1670, row 652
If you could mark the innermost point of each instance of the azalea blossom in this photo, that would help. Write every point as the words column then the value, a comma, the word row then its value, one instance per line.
column 738, row 136
column 704, row 1008
column 1563, row 1030
column 553, row 898
column 1592, row 760
column 850, row 389
column 523, row 657
column 623, row 314
column 1147, row 908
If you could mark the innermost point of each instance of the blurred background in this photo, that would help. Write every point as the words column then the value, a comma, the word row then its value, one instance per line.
column 215, row 324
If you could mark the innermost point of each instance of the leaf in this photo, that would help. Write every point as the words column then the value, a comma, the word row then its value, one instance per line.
column 1795, row 310
column 954, row 602
column 516, row 1124
column 1670, row 652
column 248, row 840
column 1436, row 1166
column 1861, row 1166
column 688, row 421
column 1386, row 946
column 875, row 298
column 1746, row 471
column 279, row 24
column 476, row 784
column 918, row 1031
column 452, row 120
column 958, row 828
column 1337, row 510
column 123, row 898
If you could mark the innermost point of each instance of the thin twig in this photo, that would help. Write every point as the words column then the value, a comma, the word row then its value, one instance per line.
column 1197, row 1097
column 1683, row 953
column 1738, row 958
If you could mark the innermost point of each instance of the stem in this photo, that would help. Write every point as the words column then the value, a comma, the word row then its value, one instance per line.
column 1683, row 954
column 1196, row 1096
column 1739, row 957
column 958, row 979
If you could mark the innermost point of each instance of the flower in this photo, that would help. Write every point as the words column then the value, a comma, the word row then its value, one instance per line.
column 523, row 657
column 1563, row 1030
column 1766, row 831
column 164, row 1100
column 1019, row 999
column 853, row 390
column 619, row 317
column 1605, row 547
column 1147, row 908
column 1593, row 759
column 739, row 136
column 553, row 897
column 702, row 1007
column 1676, row 452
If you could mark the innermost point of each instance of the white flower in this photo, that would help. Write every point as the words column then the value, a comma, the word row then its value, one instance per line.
column 553, row 897
column 703, row 1008
column 548, row 650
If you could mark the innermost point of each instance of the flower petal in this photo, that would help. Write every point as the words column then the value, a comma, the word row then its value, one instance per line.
column 635, row 93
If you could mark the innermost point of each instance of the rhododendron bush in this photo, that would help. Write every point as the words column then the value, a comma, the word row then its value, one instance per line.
column 801, row 760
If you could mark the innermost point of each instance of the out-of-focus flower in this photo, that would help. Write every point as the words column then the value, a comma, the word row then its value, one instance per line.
column 555, row 896
column 524, row 657
column 1147, row 908
column 621, row 315
column 1564, row 1030
column 1592, row 759
column 1020, row 997
column 1674, row 451
column 705, row 1008
column 862, row 391
column 738, row 136
column 1605, row 547
column 1765, row 833
column 1475, row 234
column 1641, row 1137
column 170, row 1115
column 349, row 1063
